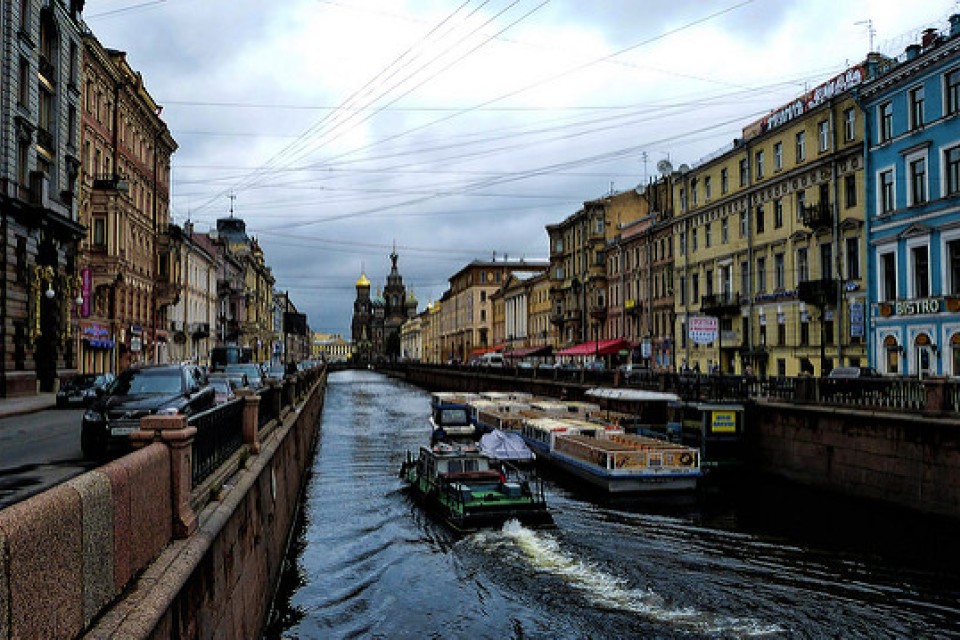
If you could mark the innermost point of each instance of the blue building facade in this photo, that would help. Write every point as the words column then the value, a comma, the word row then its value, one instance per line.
column 912, row 177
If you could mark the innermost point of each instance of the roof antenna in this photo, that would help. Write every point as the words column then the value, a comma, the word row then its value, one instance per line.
column 871, row 32
column 232, row 197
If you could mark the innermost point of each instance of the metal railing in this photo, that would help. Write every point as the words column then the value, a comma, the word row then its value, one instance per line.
column 219, row 435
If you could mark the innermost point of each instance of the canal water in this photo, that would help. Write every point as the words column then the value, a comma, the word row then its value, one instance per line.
column 753, row 559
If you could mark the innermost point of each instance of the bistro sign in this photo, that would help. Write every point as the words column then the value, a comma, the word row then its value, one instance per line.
column 917, row 307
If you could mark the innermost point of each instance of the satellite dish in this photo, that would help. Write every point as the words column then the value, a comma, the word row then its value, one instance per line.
column 664, row 167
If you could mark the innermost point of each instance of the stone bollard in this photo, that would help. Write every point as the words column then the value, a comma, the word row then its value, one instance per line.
column 174, row 432
column 935, row 392
column 251, row 417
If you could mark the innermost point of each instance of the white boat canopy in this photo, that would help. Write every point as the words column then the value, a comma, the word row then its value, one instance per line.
column 633, row 395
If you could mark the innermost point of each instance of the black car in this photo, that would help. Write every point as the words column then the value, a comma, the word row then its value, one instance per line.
column 83, row 389
column 139, row 392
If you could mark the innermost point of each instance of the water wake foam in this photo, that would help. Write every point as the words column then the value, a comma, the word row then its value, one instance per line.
column 608, row 591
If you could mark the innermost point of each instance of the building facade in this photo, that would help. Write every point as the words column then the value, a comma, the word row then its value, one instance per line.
column 40, row 46
column 913, row 208
column 193, row 317
column 768, row 242
column 376, row 322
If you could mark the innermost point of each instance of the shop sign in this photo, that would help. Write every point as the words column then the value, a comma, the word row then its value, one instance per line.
column 86, row 291
column 917, row 307
column 95, row 332
column 136, row 343
column 856, row 319
column 723, row 422
column 136, row 329
column 813, row 99
column 703, row 329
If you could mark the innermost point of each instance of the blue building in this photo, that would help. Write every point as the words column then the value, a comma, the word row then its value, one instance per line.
column 912, row 179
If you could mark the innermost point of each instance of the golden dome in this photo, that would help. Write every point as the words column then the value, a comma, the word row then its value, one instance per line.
column 363, row 282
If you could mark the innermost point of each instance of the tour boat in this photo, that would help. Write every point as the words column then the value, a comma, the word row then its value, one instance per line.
column 464, row 488
column 611, row 460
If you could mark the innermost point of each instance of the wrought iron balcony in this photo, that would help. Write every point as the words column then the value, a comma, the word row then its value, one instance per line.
column 199, row 329
column 818, row 215
column 720, row 303
column 818, row 292
column 110, row 181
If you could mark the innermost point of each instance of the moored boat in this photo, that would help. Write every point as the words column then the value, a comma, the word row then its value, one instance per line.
column 611, row 460
column 450, row 418
column 463, row 487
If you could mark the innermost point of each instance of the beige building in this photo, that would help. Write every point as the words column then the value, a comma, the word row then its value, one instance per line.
column 467, row 310
column 194, row 314
column 411, row 340
column 578, row 270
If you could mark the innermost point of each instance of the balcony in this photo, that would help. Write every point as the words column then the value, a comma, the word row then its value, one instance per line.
column 45, row 138
column 110, row 181
column 168, row 293
column 720, row 304
column 817, row 216
column 176, row 325
column 633, row 307
column 199, row 330
column 819, row 293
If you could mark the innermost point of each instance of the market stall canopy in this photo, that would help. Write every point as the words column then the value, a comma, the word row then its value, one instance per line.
column 595, row 347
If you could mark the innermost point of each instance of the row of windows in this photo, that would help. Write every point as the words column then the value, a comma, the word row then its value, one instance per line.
column 917, row 107
column 918, row 180
column 919, row 274
column 800, row 154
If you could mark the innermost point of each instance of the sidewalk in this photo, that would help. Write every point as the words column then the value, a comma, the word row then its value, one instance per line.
column 27, row 404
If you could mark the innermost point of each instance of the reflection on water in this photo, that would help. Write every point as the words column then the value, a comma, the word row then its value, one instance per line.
column 756, row 559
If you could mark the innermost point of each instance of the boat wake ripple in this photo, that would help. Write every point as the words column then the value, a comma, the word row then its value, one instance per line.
column 606, row 590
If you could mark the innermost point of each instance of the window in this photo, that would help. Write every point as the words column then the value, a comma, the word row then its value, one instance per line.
column 724, row 181
column 758, row 157
column 920, row 262
column 23, row 90
column 761, row 275
column 724, row 230
column 760, row 222
column 823, row 135
column 885, row 118
column 693, row 238
column 683, row 243
column 850, row 190
column 779, row 275
column 743, row 224
column 918, row 181
column 708, row 280
column 778, row 156
column 707, row 190
column 706, row 235
column 744, row 176
column 801, row 146
column 826, row 261
column 953, row 272
column 778, row 213
column 888, row 277
column 683, row 289
column 916, row 107
column 853, row 258
column 801, row 203
column 744, row 277
column 951, row 160
column 886, row 191
column 952, row 91
column 803, row 265
column 99, row 232
column 695, row 294
column 849, row 124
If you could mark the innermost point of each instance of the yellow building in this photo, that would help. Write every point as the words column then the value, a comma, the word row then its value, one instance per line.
column 430, row 334
column 768, row 239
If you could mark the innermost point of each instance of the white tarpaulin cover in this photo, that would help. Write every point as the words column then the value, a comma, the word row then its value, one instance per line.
column 505, row 446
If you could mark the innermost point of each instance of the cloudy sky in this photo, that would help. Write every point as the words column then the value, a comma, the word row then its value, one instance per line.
column 458, row 129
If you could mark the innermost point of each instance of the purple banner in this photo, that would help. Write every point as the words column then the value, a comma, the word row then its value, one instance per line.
column 86, row 284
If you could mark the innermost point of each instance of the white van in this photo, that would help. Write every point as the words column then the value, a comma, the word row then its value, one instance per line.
column 491, row 360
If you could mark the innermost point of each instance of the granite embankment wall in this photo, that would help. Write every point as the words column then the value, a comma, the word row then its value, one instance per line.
column 908, row 460
column 129, row 551
column 912, row 461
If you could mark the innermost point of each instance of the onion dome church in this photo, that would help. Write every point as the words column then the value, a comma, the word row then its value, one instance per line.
column 375, row 328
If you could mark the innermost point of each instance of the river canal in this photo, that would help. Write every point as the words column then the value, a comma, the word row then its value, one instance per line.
column 758, row 560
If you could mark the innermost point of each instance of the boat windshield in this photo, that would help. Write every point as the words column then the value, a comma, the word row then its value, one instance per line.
column 451, row 417
column 468, row 464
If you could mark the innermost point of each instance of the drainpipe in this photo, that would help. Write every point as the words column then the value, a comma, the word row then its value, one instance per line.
column 834, row 174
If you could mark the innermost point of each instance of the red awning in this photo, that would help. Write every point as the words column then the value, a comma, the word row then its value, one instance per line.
column 595, row 347
column 483, row 350
column 541, row 350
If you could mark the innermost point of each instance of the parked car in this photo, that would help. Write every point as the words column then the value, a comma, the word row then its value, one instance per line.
column 224, row 388
column 83, row 389
column 138, row 392
column 854, row 373
column 252, row 371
